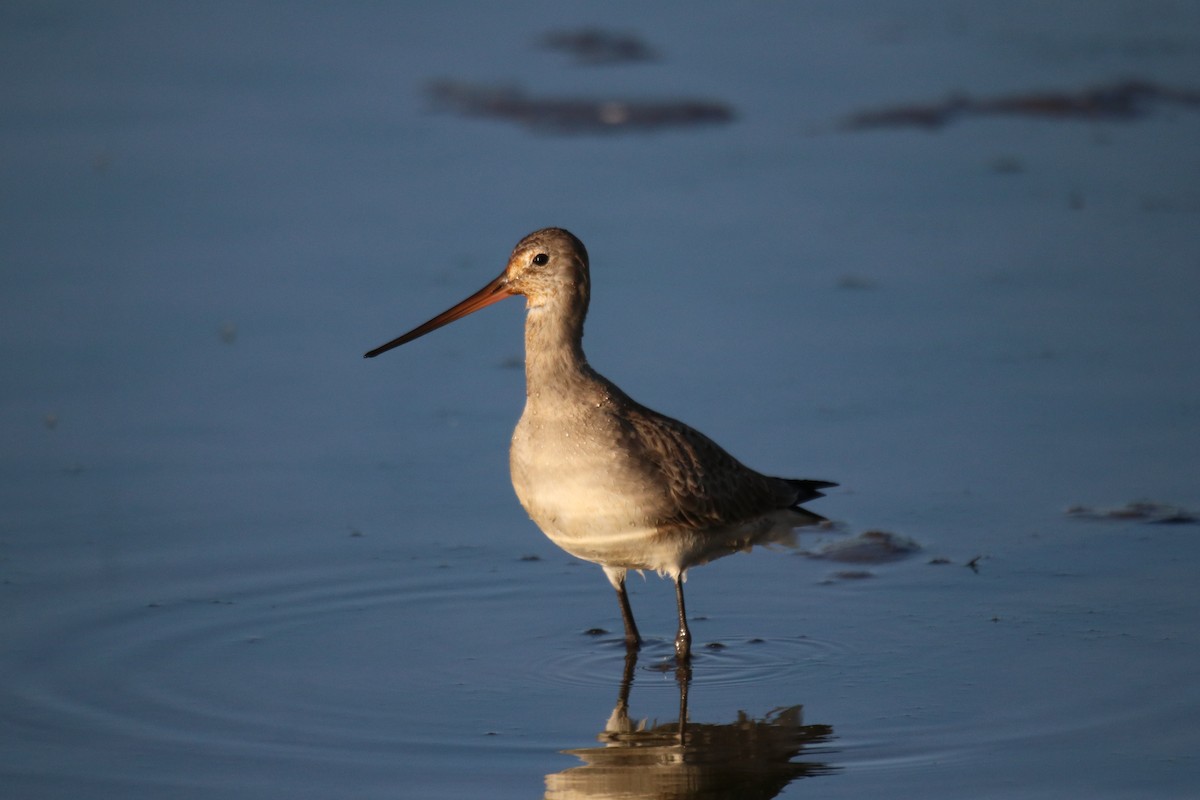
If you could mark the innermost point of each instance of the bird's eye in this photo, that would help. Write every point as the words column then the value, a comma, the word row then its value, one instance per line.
column 541, row 259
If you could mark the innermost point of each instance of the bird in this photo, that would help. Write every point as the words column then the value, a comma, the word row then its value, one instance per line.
column 605, row 478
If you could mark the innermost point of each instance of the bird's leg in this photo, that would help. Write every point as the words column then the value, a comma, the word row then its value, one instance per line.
column 632, row 639
column 683, row 639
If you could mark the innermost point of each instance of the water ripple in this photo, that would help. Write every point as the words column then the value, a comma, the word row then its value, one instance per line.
column 714, row 664
column 294, row 657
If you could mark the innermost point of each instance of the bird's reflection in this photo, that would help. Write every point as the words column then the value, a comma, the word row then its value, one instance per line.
column 745, row 758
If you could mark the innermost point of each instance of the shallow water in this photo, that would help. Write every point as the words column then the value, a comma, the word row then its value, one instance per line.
column 236, row 560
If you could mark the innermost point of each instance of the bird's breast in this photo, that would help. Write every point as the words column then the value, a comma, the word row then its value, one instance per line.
column 582, row 482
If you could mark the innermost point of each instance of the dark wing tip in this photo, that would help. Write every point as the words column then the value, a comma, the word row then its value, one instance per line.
column 808, row 490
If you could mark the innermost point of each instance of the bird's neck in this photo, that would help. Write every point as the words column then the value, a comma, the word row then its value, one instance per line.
column 554, row 345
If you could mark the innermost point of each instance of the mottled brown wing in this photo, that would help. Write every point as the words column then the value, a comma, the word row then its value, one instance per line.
column 707, row 486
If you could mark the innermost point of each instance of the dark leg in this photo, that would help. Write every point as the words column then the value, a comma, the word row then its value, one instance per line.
column 683, row 639
column 632, row 639
column 683, row 676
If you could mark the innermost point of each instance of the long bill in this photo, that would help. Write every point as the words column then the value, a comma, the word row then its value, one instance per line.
column 494, row 292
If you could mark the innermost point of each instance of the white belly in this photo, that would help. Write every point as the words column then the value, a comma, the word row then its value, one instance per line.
column 584, row 500
column 597, row 502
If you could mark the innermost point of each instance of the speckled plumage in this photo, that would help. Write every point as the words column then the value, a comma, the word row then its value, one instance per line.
column 605, row 478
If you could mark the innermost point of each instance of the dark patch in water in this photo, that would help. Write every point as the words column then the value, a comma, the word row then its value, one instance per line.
column 855, row 282
column 1140, row 511
column 567, row 115
column 596, row 46
column 869, row 547
column 1007, row 165
column 1126, row 100
column 853, row 574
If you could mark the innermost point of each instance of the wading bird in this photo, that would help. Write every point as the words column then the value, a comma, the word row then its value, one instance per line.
column 605, row 478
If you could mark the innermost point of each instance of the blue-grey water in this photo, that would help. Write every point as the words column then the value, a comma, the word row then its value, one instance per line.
column 237, row 560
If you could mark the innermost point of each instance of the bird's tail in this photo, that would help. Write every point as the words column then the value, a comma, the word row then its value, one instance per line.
column 808, row 490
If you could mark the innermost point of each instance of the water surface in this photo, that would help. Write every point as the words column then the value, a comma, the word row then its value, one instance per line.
column 236, row 560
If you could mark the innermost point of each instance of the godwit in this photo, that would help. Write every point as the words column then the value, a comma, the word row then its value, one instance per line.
column 607, row 479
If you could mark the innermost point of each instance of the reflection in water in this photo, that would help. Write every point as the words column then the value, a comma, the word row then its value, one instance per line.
column 746, row 758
